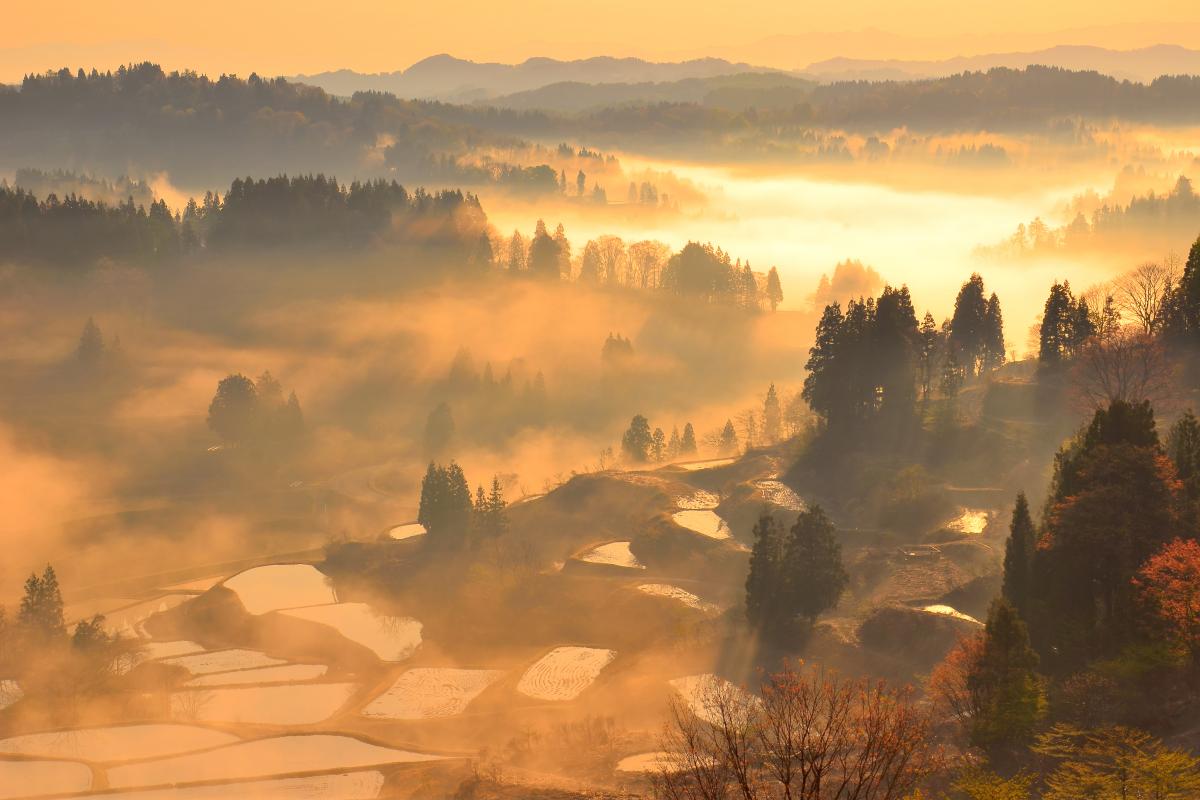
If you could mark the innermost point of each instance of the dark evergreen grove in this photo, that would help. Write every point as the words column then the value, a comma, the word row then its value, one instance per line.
column 255, row 213
column 872, row 362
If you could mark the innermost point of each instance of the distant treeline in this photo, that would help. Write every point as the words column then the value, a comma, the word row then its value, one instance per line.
column 194, row 127
column 999, row 99
column 1173, row 214
column 281, row 211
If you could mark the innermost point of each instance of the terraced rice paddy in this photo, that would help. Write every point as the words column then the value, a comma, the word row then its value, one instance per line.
column 10, row 692
column 116, row 743
column 129, row 621
column 674, row 593
column 780, row 494
column 289, row 704
column 339, row 786
column 223, row 661
column 155, row 650
column 615, row 554
column 698, row 500
column 564, row 673
column 969, row 521
column 287, row 673
column 277, row 755
column 427, row 692
column 646, row 762
column 279, row 586
column 390, row 638
column 33, row 778
column 694, row 466
column 950, row 611
column 697, row 691
column 407, row 530
column 705, row 523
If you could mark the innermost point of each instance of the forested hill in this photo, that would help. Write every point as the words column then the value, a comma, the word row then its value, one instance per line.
column 203, row 130
column 998, row 99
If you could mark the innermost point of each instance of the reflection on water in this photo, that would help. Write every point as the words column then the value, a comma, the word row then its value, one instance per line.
column 616, row 554
column 391, row 638
column 705, row 523
column 278, row 586
column 340, row 786
column 118, row 742
column 301, row 704
column 278, row 755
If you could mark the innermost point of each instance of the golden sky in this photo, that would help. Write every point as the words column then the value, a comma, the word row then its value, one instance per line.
column 374, row 36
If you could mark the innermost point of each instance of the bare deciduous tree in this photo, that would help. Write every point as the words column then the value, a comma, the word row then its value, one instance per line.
column 804, row 736
column 1140, row 292
column 1129, row 366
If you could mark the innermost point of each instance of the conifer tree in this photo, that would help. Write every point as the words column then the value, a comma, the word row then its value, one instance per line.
column 774, row 289
column 1006, row 691
column 90, row 351
column 1018, row 557
column 772, row 416
column 658, row 446
column 765, row 601
column 687, row 444
column 674, row 444
column 727, row 444
column 637, row 441
column 812, row 560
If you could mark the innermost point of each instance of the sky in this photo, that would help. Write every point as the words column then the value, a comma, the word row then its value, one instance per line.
column 302, row 36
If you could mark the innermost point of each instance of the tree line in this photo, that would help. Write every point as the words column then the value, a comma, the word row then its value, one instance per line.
column 272, row 212
column 873, row 362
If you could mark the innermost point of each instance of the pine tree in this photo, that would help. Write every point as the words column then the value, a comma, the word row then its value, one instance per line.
column 1005, row 688
column 765, row 601
column 772, row 416
column 637, row 441
column 1018, row 557
column 969, row 326
column 41, row 611
column 728, row 442
column 233, row 414
column 823, row 387
column 812, row 560
column 929, row 347
column 90, row 351
column 497, row 509
column 687, row 445
column 1057, row 332
column 774, row 289
column 1183, row 447
column 993, row 345
column 673, row 444
column 516, row 253
column 658, row 446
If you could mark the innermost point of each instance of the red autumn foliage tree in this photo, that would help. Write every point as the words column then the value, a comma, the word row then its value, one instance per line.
column 1169, row 583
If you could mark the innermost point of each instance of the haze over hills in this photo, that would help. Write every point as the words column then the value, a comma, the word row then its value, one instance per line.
column 1143, row 65
column 444, row 77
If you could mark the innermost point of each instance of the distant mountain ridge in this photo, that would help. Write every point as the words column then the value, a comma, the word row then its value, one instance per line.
column 444, row 77
column 1142, row 65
